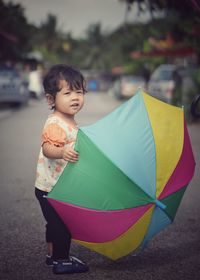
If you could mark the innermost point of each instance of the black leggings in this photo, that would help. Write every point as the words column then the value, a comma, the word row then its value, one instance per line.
column 56, row 230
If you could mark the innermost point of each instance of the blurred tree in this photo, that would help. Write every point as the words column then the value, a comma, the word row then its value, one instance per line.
column 45, row 38
column 14, row 32
column 183, row 7
column 186, row 30
column 54, row 45
column 49, row 34
column 94, row 47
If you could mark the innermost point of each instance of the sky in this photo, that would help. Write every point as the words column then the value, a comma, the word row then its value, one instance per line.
column 75, row 15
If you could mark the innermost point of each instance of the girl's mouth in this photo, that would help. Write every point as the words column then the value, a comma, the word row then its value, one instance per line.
column 75, row 105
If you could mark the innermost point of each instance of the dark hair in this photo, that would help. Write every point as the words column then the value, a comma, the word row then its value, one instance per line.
column 63, row 72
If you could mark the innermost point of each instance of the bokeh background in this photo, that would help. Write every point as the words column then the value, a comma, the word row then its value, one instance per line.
column 119, row 46
column 109, row 41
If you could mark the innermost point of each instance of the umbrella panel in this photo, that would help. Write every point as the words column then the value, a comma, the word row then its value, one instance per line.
column 97, row 182
column 126, row 243
column 97, row 226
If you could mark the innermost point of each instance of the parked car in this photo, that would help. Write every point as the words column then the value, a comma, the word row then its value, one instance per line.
column 163, row 81
column 127, row 85
column 13, row 89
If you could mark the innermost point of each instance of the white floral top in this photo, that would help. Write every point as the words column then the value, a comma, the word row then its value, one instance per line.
column 58, row 133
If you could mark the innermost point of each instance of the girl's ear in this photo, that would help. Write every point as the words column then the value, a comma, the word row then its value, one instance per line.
column 50, row 100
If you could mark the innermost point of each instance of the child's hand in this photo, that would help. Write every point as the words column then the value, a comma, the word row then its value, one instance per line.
column 70, row 155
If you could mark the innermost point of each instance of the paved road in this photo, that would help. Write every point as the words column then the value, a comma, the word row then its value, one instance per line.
column 173, row 254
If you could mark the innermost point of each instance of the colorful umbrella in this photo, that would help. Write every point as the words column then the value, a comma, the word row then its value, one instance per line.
column 134, row 167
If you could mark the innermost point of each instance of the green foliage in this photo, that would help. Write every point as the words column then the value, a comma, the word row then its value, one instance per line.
column 14, row 32
column 100, row 50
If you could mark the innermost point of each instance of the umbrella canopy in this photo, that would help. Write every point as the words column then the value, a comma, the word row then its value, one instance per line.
column 134, row 167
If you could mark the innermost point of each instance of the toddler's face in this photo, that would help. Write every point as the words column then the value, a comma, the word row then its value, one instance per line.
column 68, row 101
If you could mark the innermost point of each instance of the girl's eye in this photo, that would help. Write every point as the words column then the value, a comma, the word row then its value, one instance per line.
column 67, row 93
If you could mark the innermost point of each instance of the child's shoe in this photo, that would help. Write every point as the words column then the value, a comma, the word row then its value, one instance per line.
column 73, row 265
column 49, row 260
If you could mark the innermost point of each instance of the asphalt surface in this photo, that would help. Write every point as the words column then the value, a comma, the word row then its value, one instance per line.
column 172, row 254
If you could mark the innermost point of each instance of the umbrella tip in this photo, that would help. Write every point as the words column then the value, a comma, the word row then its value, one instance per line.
column 160, row 204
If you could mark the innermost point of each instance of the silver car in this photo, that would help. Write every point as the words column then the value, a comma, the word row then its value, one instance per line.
column 13, row 89
column 162, row 83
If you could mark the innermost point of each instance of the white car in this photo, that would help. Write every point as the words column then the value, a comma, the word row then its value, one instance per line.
column 127, row 85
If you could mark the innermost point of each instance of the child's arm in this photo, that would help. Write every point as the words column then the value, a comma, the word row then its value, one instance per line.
column 53, row 152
